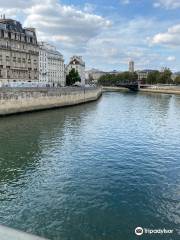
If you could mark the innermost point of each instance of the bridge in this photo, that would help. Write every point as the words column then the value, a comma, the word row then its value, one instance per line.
column 131, row 85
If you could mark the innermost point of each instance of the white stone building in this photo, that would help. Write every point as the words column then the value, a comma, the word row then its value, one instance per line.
column 131, row 66
column 78, row 64
column 51, row 65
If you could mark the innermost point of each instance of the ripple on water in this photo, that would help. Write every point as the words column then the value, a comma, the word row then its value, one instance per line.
column 93, row 171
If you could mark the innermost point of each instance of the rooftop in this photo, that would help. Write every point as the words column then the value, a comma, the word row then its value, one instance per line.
column 77, row 60
column 49, row 48
column 15, row 26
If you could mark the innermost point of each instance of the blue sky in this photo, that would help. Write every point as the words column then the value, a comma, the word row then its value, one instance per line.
column 107, row 33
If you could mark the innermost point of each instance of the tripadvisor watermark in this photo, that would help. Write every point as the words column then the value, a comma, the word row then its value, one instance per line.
column 140, row 231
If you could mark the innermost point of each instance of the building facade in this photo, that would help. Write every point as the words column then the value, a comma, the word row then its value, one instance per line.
column 143, row 75
column 19, row 54
column 51, row 65
column 77, row 63
column 131, row 66
column 93, row 75
column 43, row 63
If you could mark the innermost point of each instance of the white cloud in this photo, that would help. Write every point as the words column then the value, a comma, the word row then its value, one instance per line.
column 56, row 19
column 15, row 4
column 167, row 4
column 66, row 25
column 171, row 58
column 170, row 38
column 103, row 44
column 117, row 45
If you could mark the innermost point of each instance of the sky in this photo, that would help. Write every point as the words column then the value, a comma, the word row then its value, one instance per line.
column 107, row 33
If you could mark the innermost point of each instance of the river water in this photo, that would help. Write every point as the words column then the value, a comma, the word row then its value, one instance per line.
column 94, row 171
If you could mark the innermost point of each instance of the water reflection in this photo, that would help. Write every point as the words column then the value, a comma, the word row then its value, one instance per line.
column 22, row 137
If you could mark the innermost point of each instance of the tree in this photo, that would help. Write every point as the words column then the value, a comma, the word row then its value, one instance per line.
column 107, row 80
column 153, row 77
column 115, row 79
column 165, row 77
column 177, row 80
column 72, row 77
column 159, row 77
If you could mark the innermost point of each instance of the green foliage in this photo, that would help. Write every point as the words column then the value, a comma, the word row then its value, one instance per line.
column 177, row 80
column 114, row 79
column 159, row 77
column 165, row 77
column 72, row 77
column 153, row 77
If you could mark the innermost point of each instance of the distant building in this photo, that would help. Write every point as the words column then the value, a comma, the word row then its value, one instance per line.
column 131, row 66
column 51, row 65
column 163, row 69
column 175, row 75
column 142, row 75
column 77, row 63
column 114, row 72
column 19, row 54
column 94, row 74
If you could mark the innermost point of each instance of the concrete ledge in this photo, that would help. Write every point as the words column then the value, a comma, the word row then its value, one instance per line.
column 165, row 91
column 12, row 234
column 150, row 90
column 114, row 89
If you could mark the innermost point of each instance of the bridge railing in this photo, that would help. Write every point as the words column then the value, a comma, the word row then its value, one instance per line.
column 130, row 84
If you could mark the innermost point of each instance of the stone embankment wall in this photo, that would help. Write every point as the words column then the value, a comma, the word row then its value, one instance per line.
column 12, row 234
column 23, row 100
